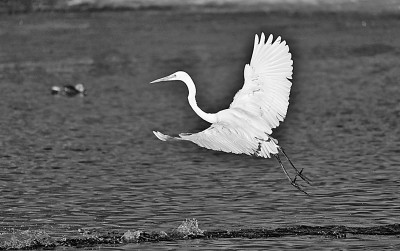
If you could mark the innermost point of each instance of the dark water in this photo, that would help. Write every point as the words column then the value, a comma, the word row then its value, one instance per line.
column 93, row 162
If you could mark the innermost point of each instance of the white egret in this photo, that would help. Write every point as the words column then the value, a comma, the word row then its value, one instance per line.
column 246, row 126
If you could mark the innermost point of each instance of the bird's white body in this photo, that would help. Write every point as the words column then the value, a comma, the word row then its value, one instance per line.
column 245, row 127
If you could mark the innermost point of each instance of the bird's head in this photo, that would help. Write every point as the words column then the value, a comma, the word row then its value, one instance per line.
column 55, row 90
column 179, row 75
column 81, row 89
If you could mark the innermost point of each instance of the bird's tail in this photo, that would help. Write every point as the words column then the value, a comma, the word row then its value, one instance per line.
column 267, row 147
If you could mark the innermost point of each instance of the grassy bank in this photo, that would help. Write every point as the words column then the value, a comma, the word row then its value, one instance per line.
column 370, row 6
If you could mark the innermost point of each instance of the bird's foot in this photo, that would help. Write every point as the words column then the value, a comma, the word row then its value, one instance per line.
column 293, row 182
column 302, row 176
column 298, row 173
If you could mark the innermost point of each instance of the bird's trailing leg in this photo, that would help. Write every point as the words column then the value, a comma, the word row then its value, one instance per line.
column 292, row 181
column 298, row 173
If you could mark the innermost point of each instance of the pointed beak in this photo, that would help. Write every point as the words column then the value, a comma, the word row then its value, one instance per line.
column 167, row 78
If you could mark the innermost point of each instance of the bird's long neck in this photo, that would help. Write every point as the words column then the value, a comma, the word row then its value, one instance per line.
column 209, row 117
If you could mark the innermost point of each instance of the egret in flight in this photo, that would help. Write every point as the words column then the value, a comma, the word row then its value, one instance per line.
column 246, row 126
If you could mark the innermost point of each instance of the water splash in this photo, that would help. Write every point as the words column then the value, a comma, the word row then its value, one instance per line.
column 188, row 229
column 25, row 239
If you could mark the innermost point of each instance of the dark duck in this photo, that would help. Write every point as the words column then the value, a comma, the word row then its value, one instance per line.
column 69, row 90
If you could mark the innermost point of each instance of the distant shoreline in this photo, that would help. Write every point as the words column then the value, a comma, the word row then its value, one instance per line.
column 364, row 6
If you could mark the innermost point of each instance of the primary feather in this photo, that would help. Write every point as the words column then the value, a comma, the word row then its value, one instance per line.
column 266, row 88
column 245, row 127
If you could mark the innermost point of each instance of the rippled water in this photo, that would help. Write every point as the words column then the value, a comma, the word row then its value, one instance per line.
column 93, row 162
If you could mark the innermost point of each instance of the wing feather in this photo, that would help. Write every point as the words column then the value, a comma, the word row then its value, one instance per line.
column 266, row 88
column 222, row 138
column 228, row 138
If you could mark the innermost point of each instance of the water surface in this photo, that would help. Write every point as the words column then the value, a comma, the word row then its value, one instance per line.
column 93, row 162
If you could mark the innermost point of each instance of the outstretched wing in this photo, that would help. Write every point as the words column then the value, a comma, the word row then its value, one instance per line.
column 224, row 137
column 266, row 88
column 218, row 137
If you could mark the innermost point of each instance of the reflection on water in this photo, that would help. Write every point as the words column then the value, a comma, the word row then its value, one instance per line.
column 93, row 162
